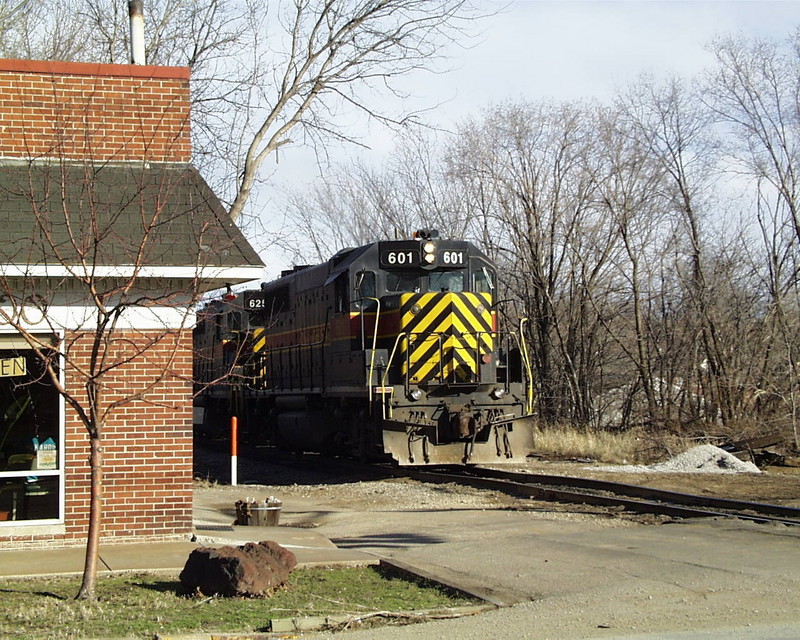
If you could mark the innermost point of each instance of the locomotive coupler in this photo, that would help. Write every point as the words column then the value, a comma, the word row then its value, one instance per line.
column 501, row 436
column 463, row 425
column 413, row 436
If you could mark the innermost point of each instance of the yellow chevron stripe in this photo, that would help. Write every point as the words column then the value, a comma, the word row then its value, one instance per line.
column 259, row 339
column 427, row 370
column 461, row 352
column 430, row 314
column 423, row 343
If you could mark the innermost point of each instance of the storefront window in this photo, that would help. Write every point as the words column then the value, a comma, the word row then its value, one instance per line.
column 30, row 436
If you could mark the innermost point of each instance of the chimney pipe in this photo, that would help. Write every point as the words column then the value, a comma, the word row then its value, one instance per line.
column 136, row 14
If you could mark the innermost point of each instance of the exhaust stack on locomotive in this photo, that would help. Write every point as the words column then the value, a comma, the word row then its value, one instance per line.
column 390, row 348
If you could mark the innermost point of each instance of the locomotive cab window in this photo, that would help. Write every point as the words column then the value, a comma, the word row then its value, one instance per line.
column 483, row 278
column 444, row 281
column 365, row 289
column 402, row 282
column 342, row 293
column 234, row 321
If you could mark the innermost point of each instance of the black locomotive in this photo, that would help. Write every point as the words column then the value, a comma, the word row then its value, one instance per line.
column 390, row 348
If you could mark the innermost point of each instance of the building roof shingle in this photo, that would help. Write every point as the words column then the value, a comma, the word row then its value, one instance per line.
column 115, row 215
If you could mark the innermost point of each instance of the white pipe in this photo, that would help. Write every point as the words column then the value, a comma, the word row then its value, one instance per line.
column 136, row 14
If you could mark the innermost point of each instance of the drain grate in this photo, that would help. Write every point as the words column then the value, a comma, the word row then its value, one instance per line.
column 214, row 527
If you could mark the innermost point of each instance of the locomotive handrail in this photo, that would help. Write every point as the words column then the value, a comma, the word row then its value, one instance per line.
column 523, row 345
column 374, row 345
column 498, row 336
column 399, row 337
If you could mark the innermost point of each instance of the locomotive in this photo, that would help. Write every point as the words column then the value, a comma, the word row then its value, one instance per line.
column 392, row 348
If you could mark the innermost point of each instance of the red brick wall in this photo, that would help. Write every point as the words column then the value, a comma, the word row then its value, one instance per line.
column 147, row 443
column 99, row 112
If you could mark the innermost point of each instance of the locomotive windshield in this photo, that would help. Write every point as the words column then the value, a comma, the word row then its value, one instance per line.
column 435, row 281
column 399, row 281
column 446, row 281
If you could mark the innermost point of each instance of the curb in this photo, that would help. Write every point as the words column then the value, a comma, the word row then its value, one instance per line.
column 459, row 583
column 319, row 623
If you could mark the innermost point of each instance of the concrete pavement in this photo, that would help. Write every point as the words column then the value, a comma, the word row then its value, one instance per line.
column 212, row 527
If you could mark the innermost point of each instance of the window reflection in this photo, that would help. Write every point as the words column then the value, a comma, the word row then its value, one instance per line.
column 446, row 281
column 29, row 498
column 397, row 281
column 29, row 438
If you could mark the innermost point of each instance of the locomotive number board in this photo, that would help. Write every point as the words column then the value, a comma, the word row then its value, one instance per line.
column 254, row 301
column 397, row 255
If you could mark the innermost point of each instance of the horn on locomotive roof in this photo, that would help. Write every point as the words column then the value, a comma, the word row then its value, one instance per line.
column 426, row 234
column 229, row 295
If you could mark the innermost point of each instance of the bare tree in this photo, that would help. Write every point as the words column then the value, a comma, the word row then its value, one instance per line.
column 668, row 119
column 524, row 168
column 357, row 203
column 753, row 91
column 100, row 231
column 335, row 58
column 264, row 74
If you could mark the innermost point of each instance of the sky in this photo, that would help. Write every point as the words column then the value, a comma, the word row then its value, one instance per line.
column 571, row 50
column 558, row 50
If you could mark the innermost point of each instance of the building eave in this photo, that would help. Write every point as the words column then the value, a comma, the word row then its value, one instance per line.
column 212, row 274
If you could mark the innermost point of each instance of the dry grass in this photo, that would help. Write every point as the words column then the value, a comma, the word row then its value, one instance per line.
column 645, row 446
column 635, row 446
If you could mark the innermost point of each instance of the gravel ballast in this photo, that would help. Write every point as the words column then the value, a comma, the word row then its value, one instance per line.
column 704, row 458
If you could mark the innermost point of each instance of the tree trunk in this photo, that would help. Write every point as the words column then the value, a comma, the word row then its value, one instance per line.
column 87, row 590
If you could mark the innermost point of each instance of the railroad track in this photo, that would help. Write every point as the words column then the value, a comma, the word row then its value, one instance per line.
column 633, row 498
column 566, row 489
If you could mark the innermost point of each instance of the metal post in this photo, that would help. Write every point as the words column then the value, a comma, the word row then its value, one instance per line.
column 234, row 449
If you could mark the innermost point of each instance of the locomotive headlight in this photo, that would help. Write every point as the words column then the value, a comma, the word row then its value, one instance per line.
column 415, row 394
column 481, row 309
column 415, row 309
column 498, row 393
column 429, row 252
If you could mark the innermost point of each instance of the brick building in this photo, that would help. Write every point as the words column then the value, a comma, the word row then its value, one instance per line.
column 105, row 221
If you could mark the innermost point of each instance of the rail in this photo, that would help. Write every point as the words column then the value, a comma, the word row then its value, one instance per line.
column 633, row 498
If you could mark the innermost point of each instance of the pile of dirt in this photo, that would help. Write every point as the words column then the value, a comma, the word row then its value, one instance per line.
column 704, row 458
